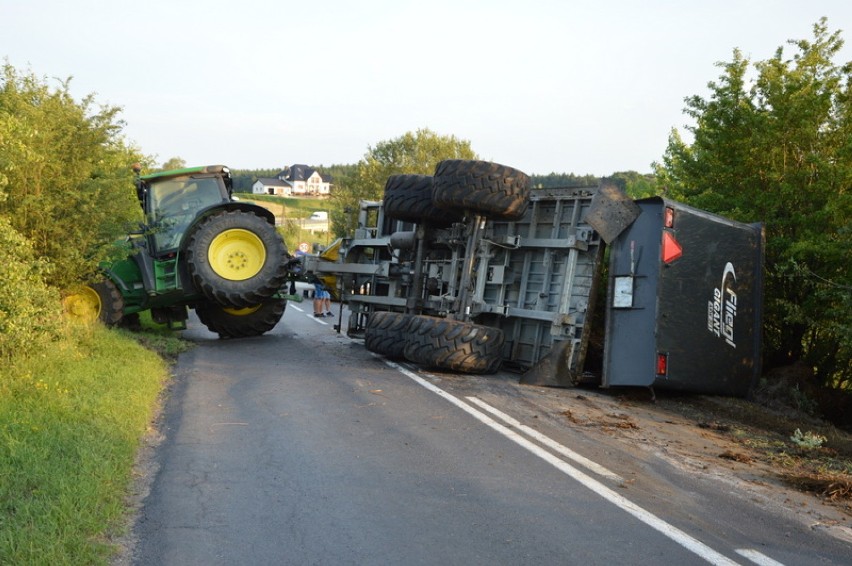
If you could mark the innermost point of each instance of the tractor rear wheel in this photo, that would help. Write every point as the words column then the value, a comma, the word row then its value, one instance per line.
column 231, row 322
column 98, row 301
column 236, row 259
column 453, row 345
column 482, row 187
column 385, row 333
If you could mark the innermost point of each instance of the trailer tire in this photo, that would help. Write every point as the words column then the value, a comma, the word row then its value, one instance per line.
column 229, row 322
column 453, row 345
column 97, row 301
column 385, row 333
column 493, row 190
column 409, row 198
column 236, row 259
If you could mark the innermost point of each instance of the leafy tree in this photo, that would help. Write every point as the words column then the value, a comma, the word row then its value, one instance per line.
column 173, row 163
column 414, row 153
column 778, row 148
column 637, row 185
column 65, row 178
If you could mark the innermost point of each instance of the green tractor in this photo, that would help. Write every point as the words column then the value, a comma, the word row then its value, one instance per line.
column 200, row 248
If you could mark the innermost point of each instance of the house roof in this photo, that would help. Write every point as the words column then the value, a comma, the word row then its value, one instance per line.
column 301, row 172
column 273, row 182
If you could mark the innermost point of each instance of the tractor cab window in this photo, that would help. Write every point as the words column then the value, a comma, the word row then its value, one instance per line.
column 174, row 203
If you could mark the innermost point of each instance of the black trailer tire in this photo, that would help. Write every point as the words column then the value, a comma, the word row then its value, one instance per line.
column 453, row 345
column 385, row 333
column 482, row 187
column 229, row 322
column 236, row 259
column 409, row 198
column 97, row 301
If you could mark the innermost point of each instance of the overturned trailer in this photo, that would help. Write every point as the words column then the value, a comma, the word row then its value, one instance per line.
column 470, row 270
column 685, row 299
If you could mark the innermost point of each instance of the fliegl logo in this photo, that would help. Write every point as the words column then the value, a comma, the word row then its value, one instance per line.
column 722, row 310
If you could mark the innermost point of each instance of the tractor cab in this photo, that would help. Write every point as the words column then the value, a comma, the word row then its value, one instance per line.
column 173, row 200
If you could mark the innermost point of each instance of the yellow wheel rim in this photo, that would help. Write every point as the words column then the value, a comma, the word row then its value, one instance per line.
column 236, row 254
column 241, row 312
column 83, row 305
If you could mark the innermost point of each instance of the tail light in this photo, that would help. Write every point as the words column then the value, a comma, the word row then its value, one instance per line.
column 662, row 364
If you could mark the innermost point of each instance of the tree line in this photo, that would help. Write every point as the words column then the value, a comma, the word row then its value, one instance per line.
column 770, row 143
column 773, row 143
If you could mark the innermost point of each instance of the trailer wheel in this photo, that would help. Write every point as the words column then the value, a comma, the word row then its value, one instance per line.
column 453, row 345
column 98, row 301
column 409, row 198
column 236, row 259
column 230, row 322
column 385, row 333
column 490, row 189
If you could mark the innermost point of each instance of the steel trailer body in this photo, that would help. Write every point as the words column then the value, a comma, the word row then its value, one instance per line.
column 683, row 290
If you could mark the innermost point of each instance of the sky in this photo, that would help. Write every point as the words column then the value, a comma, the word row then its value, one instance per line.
column 540, row 85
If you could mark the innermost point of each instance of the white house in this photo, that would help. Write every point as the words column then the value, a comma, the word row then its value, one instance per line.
column 272, row 186
column 306, row 181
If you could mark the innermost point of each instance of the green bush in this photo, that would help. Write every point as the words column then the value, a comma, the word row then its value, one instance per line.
column 66, row 181
column 30, row 311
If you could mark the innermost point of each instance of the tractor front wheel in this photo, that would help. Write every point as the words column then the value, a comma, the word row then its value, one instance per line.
column 237, row 259
column 98, row 301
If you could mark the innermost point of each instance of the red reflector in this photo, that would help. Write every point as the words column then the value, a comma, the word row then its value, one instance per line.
column 671, row 249
column 662, row 364
column 668, row 221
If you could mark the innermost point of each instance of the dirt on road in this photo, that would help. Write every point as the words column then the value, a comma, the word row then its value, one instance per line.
column 753, row 449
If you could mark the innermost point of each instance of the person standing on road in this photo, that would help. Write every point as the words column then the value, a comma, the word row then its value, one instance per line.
column 322, row 300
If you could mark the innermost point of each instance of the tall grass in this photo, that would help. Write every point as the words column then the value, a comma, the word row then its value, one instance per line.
column 71, row 419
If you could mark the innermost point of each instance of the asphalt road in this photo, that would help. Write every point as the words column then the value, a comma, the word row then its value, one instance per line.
column 301, row 447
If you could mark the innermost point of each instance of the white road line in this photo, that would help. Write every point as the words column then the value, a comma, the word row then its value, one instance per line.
column 688, row 542
column 311, row 315
column 549, row 442
column 757, row 557
column 292, row 306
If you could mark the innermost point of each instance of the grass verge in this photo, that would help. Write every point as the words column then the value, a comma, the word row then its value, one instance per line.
column 71, row 420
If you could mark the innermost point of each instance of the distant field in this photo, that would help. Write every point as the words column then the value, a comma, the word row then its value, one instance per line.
column 290, row 207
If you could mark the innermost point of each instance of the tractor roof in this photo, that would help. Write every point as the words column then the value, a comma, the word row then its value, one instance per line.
column 160, row 175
